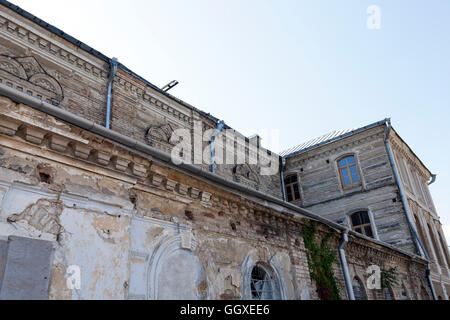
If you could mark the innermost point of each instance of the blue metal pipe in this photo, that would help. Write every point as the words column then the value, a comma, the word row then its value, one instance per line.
column 416, row 238
column 113, row 69
column 218, row 129
column 282, row 177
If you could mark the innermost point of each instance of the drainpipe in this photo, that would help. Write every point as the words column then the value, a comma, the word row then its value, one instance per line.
column 218, row 129
column 416, row 238
column 282, row 159
column 112, row 73
column 348, row 282
column 433, row 179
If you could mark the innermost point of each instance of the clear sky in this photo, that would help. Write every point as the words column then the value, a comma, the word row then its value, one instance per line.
column 301, row 67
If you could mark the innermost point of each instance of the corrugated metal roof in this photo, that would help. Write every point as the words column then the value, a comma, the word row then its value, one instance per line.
column 327, row 138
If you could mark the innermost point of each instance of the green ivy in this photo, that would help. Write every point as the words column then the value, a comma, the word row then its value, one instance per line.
column 320, row 261
column 389, row 277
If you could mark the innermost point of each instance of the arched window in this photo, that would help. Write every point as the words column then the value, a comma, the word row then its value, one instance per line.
column 261, row 284
column 424, row 293
column 361, row 223
column 404, row 294
column 435, row 245
column 388, row 294
column 421, row 234
column 358, row 290
column 444, row 247
column 348, row 171
column 291, row 187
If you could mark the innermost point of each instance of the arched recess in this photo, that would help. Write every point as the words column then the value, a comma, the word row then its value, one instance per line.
column 358, row 289
column 404, row 293
column 175, row 272
column 388, row 294
column 47, row 82
column 12, row 66
column 273, row 271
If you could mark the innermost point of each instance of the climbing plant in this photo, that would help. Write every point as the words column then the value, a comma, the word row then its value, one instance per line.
column 320, row 261
column 388, row 277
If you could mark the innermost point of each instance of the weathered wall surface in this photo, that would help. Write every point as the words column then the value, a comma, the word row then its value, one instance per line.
column 139, row 229
column 36, row 61
column 414, row 179
column 322, row 192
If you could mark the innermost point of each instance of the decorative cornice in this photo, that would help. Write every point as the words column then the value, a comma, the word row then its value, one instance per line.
column 12, row 29
column 412, row 159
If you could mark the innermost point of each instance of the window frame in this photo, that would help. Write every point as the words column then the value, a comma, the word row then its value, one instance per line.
column 291, row 187
column 363, row 225
column 358, row 171
column 270, row 279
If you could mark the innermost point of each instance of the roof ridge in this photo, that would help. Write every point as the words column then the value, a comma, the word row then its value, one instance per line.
column 326, row 138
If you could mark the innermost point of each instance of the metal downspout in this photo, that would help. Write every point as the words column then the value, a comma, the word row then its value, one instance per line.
column 218, row 129
column 348, row 282
column 416, row 238
column 282, row 159
column 433, row 179
column 112, row 73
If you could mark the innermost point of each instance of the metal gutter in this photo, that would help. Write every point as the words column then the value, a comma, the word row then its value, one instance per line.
column 283, row 188
column 348, row 282
column 416, row 238
column 21, row 97
column 433, row 179
column 112, row 73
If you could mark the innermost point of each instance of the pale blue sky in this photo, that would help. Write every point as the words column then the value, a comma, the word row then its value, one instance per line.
column 302, row 67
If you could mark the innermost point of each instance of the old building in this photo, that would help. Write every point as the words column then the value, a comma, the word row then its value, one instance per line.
column 96, row 204
column 369, row 180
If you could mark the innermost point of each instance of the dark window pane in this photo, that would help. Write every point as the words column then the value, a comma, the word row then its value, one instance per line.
column 368, row 231
column 294, row 178
column 289, row 193
column 355, row 176
column 358, row 230
column 345, row 176
column 287, row 180
column 365, row 217
column 356, row 220
column 296, row 191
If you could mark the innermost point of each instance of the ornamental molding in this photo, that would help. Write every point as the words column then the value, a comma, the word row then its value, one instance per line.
column 26, row 74
column 401, row 148
column 14, row 28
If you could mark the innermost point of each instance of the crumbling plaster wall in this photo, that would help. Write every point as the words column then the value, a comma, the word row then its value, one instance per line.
column 119, row 235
